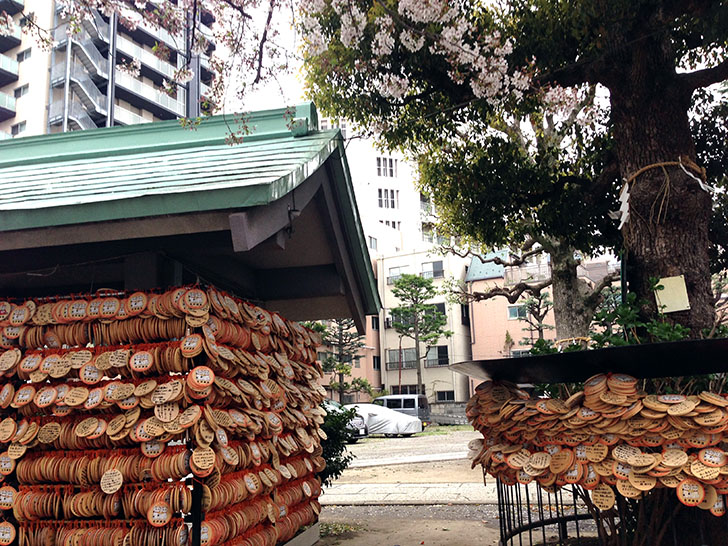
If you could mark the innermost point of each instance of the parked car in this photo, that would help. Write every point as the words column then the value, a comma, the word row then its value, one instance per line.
column 381, row 420
column 357, row 425
column 410, row 404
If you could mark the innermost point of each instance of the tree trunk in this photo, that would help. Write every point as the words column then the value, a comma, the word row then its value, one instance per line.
column 667, row 231
column 573, row 312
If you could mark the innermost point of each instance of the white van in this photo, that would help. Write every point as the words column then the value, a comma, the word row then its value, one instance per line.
column 410, row 404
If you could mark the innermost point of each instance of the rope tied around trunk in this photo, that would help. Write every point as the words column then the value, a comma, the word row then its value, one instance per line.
column 658, row 210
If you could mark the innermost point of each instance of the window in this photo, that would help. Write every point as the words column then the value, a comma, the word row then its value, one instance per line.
column 25, row 54
column 394, row 403
column 342, row 126
column 357, row 363
column 427, row 235
column 437, row 356
column 380, row 198
column 409, row 361
column 433, row 270
column 406, row 389
column 18, row 128
column 348, row 399
column 425, row 205
column 372, row 243
column 324, row 124
column 408, row 403
column 394, row 199
column 465, row 314
column 375, row 323
column 440, row 308
column 395, row 273
column 445, row 396
column 22, row 90
column 377, row 362
column 520, row 353
column 516, row 312
column 387, row 166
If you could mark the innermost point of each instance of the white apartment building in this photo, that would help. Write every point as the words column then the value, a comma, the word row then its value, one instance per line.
column 72, row 86
column 397, row 224
column 440, row 383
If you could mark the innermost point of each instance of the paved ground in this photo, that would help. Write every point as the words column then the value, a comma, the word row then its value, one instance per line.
column 423, row 469
column 417, row 491
column 437, row 443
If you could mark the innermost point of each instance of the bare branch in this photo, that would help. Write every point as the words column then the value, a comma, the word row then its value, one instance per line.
column 237, row 8
column 513, row 293
column 263, row 39
column 515, row 259
column 706, row 77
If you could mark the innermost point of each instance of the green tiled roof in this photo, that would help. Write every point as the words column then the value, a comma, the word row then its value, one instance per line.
column 479, row 271
column 154, row 169
column 161, row 169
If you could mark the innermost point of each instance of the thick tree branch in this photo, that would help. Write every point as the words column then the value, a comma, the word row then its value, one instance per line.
column 515, row 261
column 706, row 77
column 593, row 298
column 513, row 293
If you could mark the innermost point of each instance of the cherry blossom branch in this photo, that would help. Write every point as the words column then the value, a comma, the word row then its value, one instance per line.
column 263, row 39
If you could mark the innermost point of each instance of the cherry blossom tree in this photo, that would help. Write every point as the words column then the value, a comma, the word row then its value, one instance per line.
column 432, row 71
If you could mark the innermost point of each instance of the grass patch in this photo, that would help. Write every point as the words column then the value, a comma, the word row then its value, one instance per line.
column 440, row 430
column 337, row 529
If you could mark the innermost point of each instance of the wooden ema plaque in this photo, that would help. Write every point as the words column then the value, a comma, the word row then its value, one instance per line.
column 132, row 392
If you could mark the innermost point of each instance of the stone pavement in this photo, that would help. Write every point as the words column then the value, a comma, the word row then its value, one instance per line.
column 409, row 493
column 409, row 459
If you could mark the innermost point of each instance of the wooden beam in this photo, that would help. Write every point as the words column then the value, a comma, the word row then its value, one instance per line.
column 252, row 226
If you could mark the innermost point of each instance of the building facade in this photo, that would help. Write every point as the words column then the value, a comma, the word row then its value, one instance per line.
column 397, row 223
column 440, row 384
column 80, row 82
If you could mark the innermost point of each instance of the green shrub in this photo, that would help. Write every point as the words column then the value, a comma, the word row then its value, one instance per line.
column 334, row 447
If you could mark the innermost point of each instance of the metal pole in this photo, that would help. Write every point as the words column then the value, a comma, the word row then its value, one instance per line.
column 111, row 87
column 67, row 85
column 196, row 512
column 192, row 102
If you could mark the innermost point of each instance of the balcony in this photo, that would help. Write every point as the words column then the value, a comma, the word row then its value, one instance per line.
column 7, row 106
column 437, row 362
column 157, row 102
column 393, row 279
column 406, row 365
column 8, row 70
column 146, row 57
column 435, row 274
column 527, row 273
column 125, row 117
column 9, row 41
column 11, row 7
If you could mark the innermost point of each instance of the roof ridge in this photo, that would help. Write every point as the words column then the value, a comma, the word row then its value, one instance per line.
column 156, row 136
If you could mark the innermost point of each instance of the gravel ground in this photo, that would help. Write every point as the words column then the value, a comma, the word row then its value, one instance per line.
column 435, row 525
